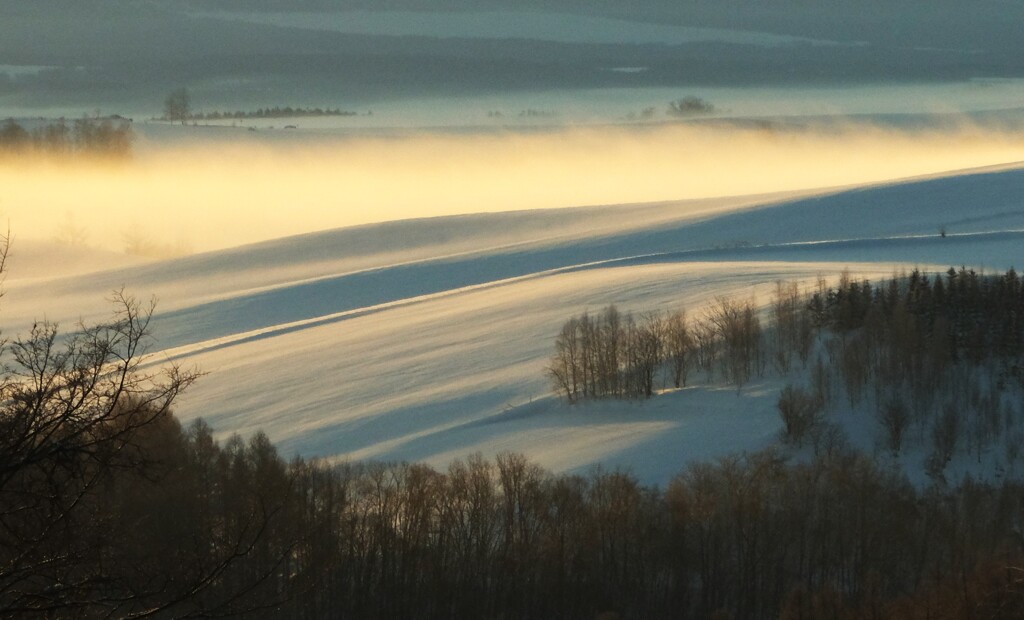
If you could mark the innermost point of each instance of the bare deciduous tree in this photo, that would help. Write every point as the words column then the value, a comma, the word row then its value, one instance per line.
column 178, row 105
column 738, row 328
column 75, row 408
column 678, row 347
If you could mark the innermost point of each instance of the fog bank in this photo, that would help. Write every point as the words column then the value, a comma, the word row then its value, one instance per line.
column 194, row 197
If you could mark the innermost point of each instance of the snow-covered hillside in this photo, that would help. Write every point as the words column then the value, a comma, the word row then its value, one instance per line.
column 427, row 339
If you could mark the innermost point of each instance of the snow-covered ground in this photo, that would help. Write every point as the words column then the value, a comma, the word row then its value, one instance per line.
column 427, row 339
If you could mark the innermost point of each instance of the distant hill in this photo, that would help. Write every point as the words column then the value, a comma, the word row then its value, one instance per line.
column 109, row 52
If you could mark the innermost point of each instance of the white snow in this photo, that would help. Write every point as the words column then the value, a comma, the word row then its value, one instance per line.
column 427, row 339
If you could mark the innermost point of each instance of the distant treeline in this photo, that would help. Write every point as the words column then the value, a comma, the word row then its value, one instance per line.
column 275, row 112
column 105, row 137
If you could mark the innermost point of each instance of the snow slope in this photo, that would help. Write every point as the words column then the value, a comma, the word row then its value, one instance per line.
column 427, row 339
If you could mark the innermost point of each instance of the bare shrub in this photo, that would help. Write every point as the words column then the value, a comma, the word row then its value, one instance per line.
column 801, row 412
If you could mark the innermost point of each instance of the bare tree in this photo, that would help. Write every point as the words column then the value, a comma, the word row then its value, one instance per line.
column 679, row 347
column 178, row 105
column 737, row 327
column 101, row 497
column 74, row 409
column 611, row 344
column 707, row 345
column 646, row 344
column 566, row 366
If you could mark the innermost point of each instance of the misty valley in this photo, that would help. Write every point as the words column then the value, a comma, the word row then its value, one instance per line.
column 459, row 309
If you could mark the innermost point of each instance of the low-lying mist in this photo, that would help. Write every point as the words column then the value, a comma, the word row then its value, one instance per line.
column 210, row 194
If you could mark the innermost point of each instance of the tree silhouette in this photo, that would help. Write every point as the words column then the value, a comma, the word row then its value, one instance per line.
column 178, row 105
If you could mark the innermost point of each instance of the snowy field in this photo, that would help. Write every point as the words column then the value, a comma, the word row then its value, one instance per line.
column 427, row 339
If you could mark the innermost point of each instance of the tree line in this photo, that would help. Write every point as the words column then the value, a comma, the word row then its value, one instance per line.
column 935, row 360
column 178, row 107
column 104, row 137
column 928, row 359
column 617, row 355
column 189, row 527
column 274, row 112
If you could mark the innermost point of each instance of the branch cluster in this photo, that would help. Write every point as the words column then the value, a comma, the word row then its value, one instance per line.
column 108, row 509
